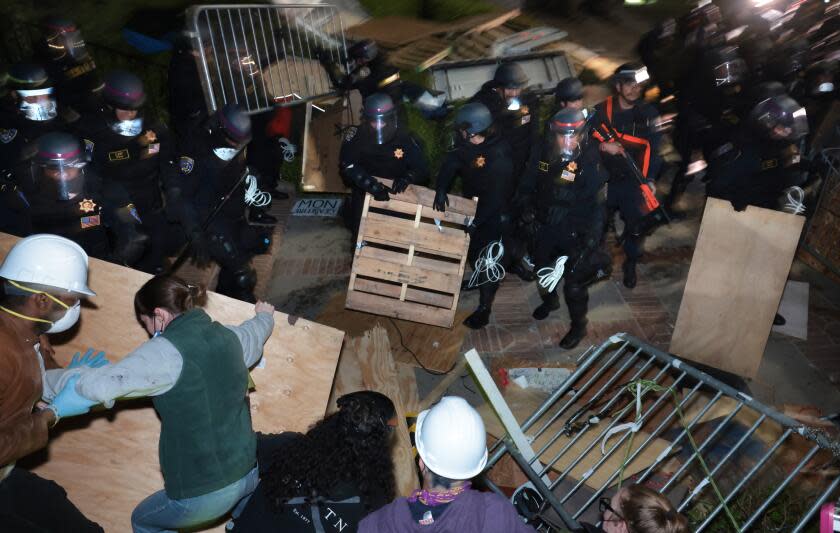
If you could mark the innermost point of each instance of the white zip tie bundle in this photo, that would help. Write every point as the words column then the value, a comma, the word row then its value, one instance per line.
column 632, row 427
column 289, row 149
column 488, row 263
column 253, row 196
column 549, row 277
column 795, row 203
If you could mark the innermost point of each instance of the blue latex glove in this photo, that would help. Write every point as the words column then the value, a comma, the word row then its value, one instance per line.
column 68, row 402
column 88, row 360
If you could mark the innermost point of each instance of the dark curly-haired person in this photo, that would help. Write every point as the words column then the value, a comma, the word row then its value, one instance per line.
column 329, row 478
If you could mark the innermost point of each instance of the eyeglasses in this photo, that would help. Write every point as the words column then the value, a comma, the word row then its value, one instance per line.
column 604, row 506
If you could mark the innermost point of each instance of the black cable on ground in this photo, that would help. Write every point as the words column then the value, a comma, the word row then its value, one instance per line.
column 406, row 348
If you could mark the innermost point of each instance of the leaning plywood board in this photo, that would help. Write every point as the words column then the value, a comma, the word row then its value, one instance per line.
column 325, row 121
column 108, row 463
column 380, row 374
column 409, row 259
column 524, row 402
column 739, row 269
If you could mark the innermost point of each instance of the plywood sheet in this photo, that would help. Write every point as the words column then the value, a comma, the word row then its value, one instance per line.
column 523, row 402
column 108, row 462
column 735, row 282
column 325, row 121
column 380, row 374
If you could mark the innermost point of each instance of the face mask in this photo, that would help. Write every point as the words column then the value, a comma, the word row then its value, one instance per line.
column 225, row 154
column 514, row 104
column 38, row 112
column 128, row 128
column 825, row 87
column 68, row 320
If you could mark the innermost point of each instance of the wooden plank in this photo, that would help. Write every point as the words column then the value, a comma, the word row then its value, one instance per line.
column 411, row 295
column 321, row 146
column 380, row 374
column 490, row 20
column 108, row 462
column 426, row 212
column 426, row 238
column 408, row 387
column 415, row 194
column 406, row 274
column 395, row 31
column 524, row 402
column 348, row 375
column 735, row 282
column 428, row 263
column 381, row 305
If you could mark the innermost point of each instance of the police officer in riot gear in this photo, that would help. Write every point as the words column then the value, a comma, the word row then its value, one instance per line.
column 515, row 111
column 32, row 112
column 64, row 198
column 561, row 186
column 130, row 149
column 379, row 148
column 763, row 162
column 626, row 126
column 370, row 73
column 187, row 109
column 211, row 165
column 69, row 63
column 484, row 161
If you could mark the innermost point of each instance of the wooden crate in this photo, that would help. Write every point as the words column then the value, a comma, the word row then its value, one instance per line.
column 405, row 266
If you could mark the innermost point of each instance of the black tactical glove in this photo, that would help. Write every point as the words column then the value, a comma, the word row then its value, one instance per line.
column 441, row 201
column 379, row 192
column 400, row 185
column 130, row 246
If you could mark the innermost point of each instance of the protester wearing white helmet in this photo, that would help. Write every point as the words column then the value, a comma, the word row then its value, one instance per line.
column 42, row 281
column 452, row 445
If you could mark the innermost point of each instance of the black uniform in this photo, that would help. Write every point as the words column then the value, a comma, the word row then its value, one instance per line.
column 566, row 203
column 376, row 76
column 487, row 173
column 77, row 83
column 187, row 109
column 755, row 171
column 137, row 164
column 101, row 219
column 520, row 128
column 201, row 179
column 637, row 133
column 362, row 158
column 17, row 138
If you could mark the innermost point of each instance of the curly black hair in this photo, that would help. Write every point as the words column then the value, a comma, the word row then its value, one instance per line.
column 352, row 446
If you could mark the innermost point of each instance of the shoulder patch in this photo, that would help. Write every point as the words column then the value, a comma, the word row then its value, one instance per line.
column 6, row 136
column 186, row 164
column 351, row 132
column 89, row 146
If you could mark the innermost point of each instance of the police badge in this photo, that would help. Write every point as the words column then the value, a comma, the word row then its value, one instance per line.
column 186, row 164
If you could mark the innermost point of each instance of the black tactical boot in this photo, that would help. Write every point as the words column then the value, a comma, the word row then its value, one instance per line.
column 779, row 320
column 629, row 274
column 481, row 316
column 551, row 302
column 576, row 334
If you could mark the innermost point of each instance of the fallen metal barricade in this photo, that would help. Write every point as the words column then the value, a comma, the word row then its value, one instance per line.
column 724, row 458
column 262, row 56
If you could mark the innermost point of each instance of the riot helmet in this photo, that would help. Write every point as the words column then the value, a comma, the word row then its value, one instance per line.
column 780, row 118
column 34, row 90
column 511, row 79
column 58, row 166
column 569, row 90
column 566, row 134
column 381, row 117
column 63, row 40
column 230, row 131
column 124, row 94
column 768, row 89
column 819, row 80
column 728, row 69
column 363, row 51
column 473, row 119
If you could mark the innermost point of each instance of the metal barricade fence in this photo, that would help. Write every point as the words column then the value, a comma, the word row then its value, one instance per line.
column 632, row 413
column 262, row 56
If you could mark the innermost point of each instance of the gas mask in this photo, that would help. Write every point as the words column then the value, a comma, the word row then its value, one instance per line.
column 37, row 111
column 226, row 153
column 128, row 128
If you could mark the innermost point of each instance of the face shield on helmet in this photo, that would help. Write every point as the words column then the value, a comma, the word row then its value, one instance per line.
column 383, row 126
column 62, row 179
column 66, row 43
column 37, row 104
column 781, row 118
column 230, row 131
column 729, row 72
column 566, row 134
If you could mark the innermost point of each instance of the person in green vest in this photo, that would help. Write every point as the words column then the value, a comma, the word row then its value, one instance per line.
column 196, row 371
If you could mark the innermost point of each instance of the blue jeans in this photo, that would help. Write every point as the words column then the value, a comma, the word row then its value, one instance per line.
column 160, row 514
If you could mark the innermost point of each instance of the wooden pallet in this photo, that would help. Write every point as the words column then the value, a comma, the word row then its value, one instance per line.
column 421, row 54
column 405, row 266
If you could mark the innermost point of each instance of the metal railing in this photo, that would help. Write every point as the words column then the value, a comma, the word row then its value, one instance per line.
column 575, row 447
column 262, row 56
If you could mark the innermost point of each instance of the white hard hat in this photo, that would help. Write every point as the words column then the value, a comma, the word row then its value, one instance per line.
column 451, row 440
column 48, row 260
